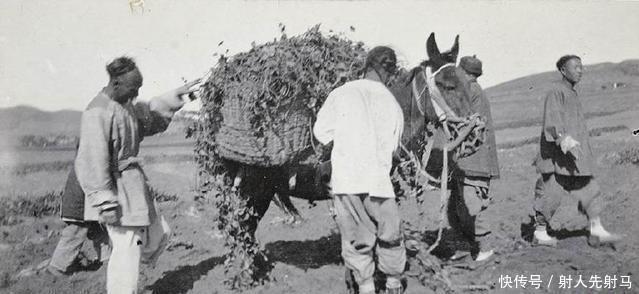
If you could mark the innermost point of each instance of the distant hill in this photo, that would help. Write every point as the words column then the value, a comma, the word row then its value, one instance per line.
column 26, row 120
column 606, row 88
column 32, row 121
column 596, row 77
column 19, row 121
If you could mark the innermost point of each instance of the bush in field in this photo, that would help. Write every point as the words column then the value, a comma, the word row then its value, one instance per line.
column 29, row 206
column 48, row 204
column 160, row 196
column 596, row 132
column 49, row 141
column 627, row 156
column 28, row 168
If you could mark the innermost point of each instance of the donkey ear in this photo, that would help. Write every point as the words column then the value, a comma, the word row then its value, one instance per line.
column 455, row 49
column 431, row 47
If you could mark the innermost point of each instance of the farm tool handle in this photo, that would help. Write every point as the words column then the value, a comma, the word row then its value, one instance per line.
column 443, row 201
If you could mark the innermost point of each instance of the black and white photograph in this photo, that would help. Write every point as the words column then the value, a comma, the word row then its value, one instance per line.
column 324, row 146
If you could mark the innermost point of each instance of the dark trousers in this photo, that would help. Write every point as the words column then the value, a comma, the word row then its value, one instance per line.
column 73, row 237
column 370, row 226
column 469, row 205
column 551, row 188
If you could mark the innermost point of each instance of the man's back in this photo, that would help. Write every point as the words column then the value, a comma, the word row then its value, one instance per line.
column 365, row 123
column 484, row 162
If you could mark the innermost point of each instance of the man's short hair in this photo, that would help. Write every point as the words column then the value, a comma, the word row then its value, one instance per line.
column 382, row 56
column 562, row 61
column 120, row 66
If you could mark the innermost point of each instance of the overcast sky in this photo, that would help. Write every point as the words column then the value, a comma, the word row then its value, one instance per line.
column 53, row 53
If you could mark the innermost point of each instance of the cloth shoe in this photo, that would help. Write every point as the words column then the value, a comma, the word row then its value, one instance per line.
column 600, row 236
column 393, row 286
column 484, row 255
column 542, row 238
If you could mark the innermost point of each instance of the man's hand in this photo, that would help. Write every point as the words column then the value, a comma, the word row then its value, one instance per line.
column 189, row 89
column 576, row 152
column 567, row 144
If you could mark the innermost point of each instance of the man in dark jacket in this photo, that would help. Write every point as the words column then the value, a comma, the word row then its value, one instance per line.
column 471, row 181
column 77, row 231
column 565, row 161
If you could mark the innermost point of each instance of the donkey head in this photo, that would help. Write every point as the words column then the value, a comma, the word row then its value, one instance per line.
column 413, row 95
column 448, row 79
column 438, row 59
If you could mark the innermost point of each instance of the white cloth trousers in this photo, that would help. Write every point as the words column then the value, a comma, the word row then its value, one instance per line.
column 132, row 245
column 124, row 265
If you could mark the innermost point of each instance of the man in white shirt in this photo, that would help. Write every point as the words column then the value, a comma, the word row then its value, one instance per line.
column 365, row 123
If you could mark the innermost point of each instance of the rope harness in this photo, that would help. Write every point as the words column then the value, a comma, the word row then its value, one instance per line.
column 453, row 129
column 464, row 138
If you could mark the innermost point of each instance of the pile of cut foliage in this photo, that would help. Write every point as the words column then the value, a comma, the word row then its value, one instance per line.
column 258, row 108
column 260, row 104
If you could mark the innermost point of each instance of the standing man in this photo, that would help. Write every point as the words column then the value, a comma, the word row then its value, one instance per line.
column 365, row 123
column 565, row 160
column 110, row 175
column 471, row 181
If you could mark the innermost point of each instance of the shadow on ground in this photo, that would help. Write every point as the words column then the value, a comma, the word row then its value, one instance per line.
column 308, row 254
column 528, row 230
column 181, row 280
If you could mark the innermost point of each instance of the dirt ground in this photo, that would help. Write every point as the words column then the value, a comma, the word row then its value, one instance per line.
column 306, row 257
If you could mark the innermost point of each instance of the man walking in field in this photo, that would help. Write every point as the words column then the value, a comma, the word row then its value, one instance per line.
column 365, row 122
column 565, row 160
column 471, row 182
column 110, row 174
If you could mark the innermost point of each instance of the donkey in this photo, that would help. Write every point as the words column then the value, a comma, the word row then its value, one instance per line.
column 423, row 125
column 414, row 97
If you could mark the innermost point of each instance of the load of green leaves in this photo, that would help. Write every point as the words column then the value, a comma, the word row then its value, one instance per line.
column 262, row 103
column 249, row 99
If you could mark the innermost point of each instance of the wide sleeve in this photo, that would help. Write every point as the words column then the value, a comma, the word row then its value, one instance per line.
column 93, row 162
column 554, row 117
column 480, row 104
column 155, row 115
column 477, row 98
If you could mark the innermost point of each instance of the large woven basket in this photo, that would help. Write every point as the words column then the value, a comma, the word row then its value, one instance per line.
column 279, row 144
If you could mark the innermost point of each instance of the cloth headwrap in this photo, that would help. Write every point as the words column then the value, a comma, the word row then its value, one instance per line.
column 471, row 64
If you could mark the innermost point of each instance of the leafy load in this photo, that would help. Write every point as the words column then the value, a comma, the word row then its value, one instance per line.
column 258, row 109
column 262, row 103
